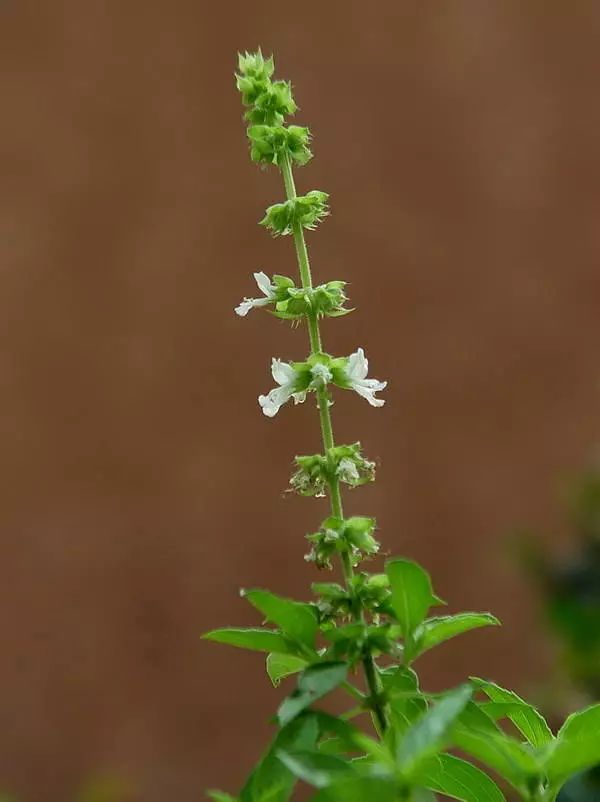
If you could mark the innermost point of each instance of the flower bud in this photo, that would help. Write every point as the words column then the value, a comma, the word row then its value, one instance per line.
column 254, row 65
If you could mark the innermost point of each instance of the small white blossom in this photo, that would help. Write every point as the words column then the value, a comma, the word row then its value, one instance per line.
column 321, row 375
column 286, row 377
column 356, row 374
column 267, row 289
column 347, row 470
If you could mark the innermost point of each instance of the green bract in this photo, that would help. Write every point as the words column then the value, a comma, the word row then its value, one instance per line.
column 306, row 211
column 271, row 143
column 326, row 300
column 273, row 102
column 379, row 623
column 254, row 65
column 270, row 102
column 353, row 536
column 317, row 472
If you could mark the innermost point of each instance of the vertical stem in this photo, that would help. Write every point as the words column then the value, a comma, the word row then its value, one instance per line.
column 335, row 496
column 374, row 685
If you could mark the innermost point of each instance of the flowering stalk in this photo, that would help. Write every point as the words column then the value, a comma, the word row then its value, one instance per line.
column 323, row 403
column 372, row 615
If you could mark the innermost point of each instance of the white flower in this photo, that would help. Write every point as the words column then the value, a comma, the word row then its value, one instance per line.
column 347, row 470
column 267, row 289
column 356, row 374
column 287, row 378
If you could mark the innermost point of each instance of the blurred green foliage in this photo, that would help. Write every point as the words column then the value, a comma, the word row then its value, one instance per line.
column 571, row 591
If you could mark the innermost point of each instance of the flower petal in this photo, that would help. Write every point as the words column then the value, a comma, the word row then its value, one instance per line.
column 366, row 391
column 283, row 373
column 358, row 366
column 272, row 402
column 372, row 384
column 244, row 307
column 249, row 303
column 264, row 283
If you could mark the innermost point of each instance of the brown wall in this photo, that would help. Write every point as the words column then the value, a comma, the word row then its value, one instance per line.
column 140, row 484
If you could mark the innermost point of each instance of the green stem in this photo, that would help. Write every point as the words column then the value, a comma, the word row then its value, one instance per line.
column 353, row 691
column 335, row 496
column 374, row 684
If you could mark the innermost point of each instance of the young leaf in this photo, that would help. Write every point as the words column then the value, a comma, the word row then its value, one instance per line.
column 352, row 631
column 313, row 684
column 315, row 768
column 280, row 666
column 581, row 725
column 359, row 789
column 477, row 735
column 405, row 701
column 412, row 593
column 219, row 796
column 353, row 739
column 577, row 746
column 458, row 779
column 400, row 680
column 271, row 781
column 258, row 640
column 296, row 620
column 525, row 717
column 428, row 734
column 440, row 629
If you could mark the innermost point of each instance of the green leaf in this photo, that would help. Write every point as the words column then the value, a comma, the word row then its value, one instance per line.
column 580, row 725
column 314, row 683
column 296, row 620
column 271, row 781
column 280, row 666
column 412, row 593
column 524, row 716
column 219, row 796
column 440, row 629
column 359, row 789
column 403, row 713
column 354, row 631
column 400, row 680
column 352, row 738
column 258, row 640
column 479, row 736
column 315, row 768
column 577, row 746
column 406, row 703
column 458, row 779
column 429, row 733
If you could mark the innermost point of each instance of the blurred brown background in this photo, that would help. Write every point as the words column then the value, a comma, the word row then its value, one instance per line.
column 141, row 486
